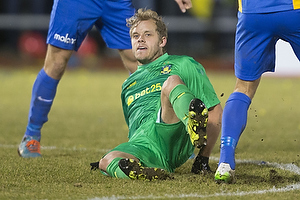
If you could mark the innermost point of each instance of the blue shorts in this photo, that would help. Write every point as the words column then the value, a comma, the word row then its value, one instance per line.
column 71, row 20
column 256, row 36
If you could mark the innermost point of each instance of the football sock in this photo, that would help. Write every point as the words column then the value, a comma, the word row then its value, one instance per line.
column 43, row 93
column 114, row 170
column 234, row 121
column 180, row 98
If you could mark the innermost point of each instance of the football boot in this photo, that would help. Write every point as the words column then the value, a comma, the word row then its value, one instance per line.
column 29, row 147
column 224, row 174
column 197, row 122
column 135, row 170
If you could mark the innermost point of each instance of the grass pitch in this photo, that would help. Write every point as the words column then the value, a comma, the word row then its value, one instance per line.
column 87, row 120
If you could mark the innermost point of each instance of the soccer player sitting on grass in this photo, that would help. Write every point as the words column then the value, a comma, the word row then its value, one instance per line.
column 70, row 22
column 169, row 105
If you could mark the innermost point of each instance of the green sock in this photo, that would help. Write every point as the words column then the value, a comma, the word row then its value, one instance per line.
column 180, row 98
column 114, row 170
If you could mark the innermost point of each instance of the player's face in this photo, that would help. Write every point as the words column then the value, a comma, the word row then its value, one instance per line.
column 147, row 46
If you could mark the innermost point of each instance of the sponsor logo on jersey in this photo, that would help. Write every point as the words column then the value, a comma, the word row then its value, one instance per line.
column 153, row 88
column 166, row 69
column 65, row 39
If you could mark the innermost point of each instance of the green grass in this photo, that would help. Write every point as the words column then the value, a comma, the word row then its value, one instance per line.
column 87, row 120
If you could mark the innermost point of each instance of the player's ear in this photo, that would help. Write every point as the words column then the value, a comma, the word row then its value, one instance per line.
column 163, row 42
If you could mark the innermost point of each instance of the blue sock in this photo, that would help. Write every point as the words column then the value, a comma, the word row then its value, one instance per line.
column 234, row 121
column 43, row 93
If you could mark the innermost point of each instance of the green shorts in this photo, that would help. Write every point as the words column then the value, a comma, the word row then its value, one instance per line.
column 160, row 145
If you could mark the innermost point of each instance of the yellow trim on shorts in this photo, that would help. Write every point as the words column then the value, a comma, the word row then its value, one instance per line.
column 240, row 5
column 296, row 4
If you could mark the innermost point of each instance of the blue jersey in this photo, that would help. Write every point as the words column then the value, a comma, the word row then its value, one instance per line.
column 267, row 6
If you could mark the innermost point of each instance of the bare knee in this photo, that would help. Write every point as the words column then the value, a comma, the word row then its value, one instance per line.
column 170, row 83
column 104, row 162
column 56, row 61
column 167, row 112
column 247, row 87
column 108, row 158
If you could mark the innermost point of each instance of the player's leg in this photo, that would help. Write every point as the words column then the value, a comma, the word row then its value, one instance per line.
column 180, row 109
column 291, row 33
column 134, row 170
column 110, row 163
column 124, row 165
column 176, row 104
column 64, row 36
column 233, row 123
column 296, row 48
column 254, row 55
column 43, row 93
column 168, row 114
column 115, row 32
column 56, row 61
column 179, row 103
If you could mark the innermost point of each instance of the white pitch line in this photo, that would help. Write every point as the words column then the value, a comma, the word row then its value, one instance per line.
column 289, row 167
column 10, row 146
column 225, row 194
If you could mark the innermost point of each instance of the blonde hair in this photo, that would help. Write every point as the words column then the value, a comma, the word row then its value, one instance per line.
column 147, row 14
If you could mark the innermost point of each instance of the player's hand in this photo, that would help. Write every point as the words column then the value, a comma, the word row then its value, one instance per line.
column 184, row 5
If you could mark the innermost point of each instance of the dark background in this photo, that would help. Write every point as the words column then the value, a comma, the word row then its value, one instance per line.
column 208, row 38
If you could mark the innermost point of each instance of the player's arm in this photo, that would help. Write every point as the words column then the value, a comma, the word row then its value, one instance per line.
column 213, row 128
column 184, row 5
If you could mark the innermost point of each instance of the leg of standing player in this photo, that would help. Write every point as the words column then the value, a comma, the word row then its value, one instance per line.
column 43, row 93
column 260, row 59
column 64, row 36
column 235, row 118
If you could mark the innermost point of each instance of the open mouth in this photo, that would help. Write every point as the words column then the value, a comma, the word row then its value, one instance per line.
column 141, row 48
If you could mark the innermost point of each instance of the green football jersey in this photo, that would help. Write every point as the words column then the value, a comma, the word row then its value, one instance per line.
column 141, row 91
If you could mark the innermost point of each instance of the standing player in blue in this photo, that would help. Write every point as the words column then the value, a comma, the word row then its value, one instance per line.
column 70, row 22
column 169, row 105
column 260, row 25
